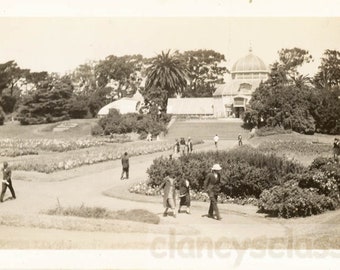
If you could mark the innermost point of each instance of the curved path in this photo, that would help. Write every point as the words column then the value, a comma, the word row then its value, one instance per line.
column 23, row 224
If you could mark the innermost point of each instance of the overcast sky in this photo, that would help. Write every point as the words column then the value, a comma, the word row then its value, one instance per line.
column 45, row 41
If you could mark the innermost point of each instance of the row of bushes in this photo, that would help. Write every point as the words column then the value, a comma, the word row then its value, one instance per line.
column 246, row 171
column 283, row 187
column 116, row 123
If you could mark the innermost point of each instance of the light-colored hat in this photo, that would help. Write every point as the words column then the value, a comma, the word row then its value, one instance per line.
column 216, row 167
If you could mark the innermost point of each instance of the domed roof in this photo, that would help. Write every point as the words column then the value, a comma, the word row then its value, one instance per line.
column 249, row 63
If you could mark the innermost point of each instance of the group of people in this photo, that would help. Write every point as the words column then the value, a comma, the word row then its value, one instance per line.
column 211, row 190
column 183, row 147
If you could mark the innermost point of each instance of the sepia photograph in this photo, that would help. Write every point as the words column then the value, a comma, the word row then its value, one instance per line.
column 169, row 134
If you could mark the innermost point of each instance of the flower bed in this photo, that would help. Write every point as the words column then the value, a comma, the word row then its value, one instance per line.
column 145, row 189
column 295, row 146
column 59, row 145
column 12, row 152
column 73, row 159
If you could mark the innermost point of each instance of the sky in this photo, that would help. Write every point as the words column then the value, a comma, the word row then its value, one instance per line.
column 59, row 37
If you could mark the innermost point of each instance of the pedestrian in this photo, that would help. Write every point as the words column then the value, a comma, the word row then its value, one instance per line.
column 176, row 147
column 7, row 181
column 125, row 166
column 212, row 187
column 183, row 146
column 216, row 138
column 336, row 148
column 184, row 195
column 189, row 145
column 169, row 194
column 149, row 137
column 240, row 143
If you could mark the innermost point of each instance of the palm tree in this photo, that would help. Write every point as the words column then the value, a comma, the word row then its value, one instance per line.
column 167, row 72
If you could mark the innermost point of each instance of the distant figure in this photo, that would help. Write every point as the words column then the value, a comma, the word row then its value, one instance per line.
column 240, row 143
column 184, row 195
column 7, row 181
column 336, row 149
column 125, row 166
column 169, row 196
column 176, row 147
column 189, row 145
column 212, row 187
column 149, row 137
column 183, row 146
column 216, row 138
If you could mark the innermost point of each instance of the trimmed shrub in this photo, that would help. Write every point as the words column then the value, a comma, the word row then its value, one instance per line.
column 289, row 200
column 115, row 122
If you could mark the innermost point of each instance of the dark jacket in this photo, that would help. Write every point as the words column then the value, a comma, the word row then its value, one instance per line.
column 212, row 184
column 125, row 161
column 184, row 188
column 7, row 173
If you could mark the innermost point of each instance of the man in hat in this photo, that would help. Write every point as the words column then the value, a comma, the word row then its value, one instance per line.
column 7, row 181
column 212, row 187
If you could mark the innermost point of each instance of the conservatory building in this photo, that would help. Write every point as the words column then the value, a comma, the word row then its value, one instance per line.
column 232, row 97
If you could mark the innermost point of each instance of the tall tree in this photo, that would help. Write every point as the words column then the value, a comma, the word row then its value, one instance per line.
column 328, row 76
column 48, row 103
column 10, row 74
column 124, row 71
column 287, row 98
column 285, row 70
column 205, row 68
column 84, row 78
column 169, row 73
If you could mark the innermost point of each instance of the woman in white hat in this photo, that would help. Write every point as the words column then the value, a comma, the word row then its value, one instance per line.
column 212, row 187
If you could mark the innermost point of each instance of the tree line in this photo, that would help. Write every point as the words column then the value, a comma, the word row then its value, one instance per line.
column 287, row 98
column 40, row 97
column 294, row 101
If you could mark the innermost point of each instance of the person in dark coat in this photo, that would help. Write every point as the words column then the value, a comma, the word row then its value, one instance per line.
column 183, row 146
column 189, row 145
column 212, row 187
column 169, row 194
column 336, row 148
column 184, row 195
column 7, row 181
column 125, row 166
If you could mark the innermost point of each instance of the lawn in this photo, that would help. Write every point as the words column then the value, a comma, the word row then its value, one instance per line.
column 15, row 130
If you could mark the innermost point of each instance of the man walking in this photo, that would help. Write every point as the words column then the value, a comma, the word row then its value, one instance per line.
column 212, row 187
column 216, row 138
column 240, row 143
column 7, row 181
column 125, row 165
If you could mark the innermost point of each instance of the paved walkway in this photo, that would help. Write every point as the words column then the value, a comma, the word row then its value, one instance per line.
column 239, row 222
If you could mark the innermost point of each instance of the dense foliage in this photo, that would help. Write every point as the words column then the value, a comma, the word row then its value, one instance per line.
column 246, row 172
column 48, row 104
column 311, row 192
column 292, row 101
column 116, row 123
column 284, row 188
